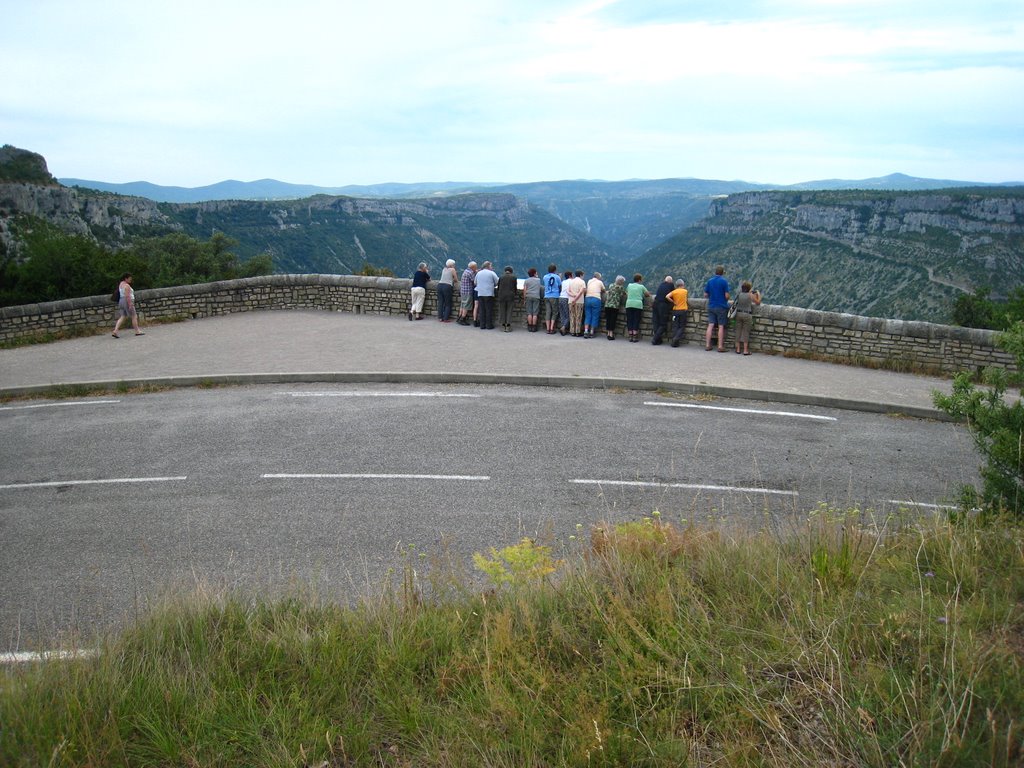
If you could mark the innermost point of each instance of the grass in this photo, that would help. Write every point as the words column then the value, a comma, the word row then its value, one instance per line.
column 840, row 643
column 895, row 364
column 69, row 391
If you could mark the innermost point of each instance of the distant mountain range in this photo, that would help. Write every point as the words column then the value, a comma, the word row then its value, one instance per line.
column 271, row 189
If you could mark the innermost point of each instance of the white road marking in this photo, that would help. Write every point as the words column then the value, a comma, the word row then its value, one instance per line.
column 24, row 657
column 745, row 410
column 107, row 481
column 57, row 405
column 345, row 476
column 688, row 486
column 374, row 394
column 903, row 503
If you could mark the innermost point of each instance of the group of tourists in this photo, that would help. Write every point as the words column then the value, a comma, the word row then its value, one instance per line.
column 573, row 305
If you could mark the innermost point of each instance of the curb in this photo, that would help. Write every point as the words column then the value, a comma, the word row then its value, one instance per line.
column 435, row 377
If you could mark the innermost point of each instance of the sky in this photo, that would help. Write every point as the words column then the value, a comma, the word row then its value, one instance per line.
column 188, row 93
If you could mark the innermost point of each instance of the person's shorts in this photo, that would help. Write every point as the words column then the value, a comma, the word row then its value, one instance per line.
column 552, row 308
column 718, row 315
column 123, row 311
column 532, row 305
column 467, row 300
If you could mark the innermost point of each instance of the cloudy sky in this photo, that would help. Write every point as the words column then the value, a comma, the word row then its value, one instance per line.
column 360, row 91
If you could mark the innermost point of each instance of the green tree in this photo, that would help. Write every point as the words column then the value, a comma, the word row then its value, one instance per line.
column 996, row 422
column 55, row 265
column 58, row 266
column 976, row 310
column 370, row 270
column 178, row 259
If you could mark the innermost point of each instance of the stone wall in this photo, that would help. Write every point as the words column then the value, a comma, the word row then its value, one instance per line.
column 777, row 329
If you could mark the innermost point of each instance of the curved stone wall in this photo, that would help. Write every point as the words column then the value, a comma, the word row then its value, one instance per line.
column 785, row 330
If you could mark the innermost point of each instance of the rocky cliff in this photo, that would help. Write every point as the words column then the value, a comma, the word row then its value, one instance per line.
column 900, row 255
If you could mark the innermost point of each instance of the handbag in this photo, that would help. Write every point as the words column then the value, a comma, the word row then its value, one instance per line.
column 732, row 310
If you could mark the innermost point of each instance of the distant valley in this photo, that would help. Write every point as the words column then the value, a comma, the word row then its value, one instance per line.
column 896, row 247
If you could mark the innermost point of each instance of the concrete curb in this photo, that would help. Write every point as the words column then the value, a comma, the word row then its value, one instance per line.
column 441, row 377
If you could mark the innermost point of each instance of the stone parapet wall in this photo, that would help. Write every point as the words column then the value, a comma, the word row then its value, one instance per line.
column 777, row 329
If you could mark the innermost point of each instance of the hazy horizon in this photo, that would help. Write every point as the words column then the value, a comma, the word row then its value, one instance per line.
column 335, row 94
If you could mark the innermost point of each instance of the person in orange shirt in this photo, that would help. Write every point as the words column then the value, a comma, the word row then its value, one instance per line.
column 680, row 309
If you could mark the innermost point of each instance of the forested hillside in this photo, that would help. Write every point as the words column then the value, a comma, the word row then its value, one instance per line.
column 340, row 234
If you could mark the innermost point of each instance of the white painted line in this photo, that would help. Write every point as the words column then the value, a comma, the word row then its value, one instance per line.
column 745, row 410
column 903, row 503
column 109, row 481
column 311, row 476
column 374, row 394
column 25, row 657
column 688, row 486
column 57, row 405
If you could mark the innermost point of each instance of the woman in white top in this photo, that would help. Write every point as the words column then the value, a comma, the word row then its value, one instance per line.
column 592, row 305
column 126, row 306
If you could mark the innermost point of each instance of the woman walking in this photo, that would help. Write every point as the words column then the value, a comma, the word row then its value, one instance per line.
column 126, row 305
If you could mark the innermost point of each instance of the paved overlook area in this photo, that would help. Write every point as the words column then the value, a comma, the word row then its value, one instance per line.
column 333, row 346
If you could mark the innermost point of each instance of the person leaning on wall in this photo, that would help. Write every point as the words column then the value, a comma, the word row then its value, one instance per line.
column 745, row 303
column 418, row 292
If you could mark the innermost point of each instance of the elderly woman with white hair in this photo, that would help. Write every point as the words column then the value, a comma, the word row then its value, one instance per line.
column 615, row 299
column 445, row 291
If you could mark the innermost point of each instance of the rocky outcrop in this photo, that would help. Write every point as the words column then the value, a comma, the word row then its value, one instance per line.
column 22, row 166
column 100, row 216
column 901, row 255
column 853, row 218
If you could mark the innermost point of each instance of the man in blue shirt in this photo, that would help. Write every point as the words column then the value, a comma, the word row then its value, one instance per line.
column 716, row 291
column 552, row 290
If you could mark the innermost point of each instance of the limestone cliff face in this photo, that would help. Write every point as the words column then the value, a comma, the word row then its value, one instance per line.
column 899, row 255
column 504, row 207
column 101, row 216
column 855, row 219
